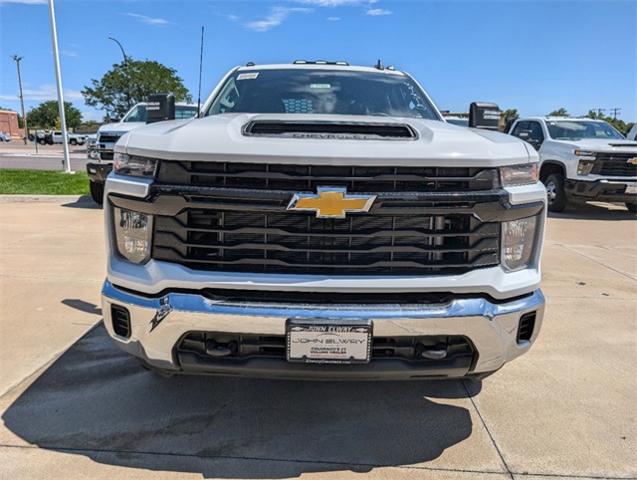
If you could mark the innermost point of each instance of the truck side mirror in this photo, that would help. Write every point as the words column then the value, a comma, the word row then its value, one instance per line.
column 484, row 115
column 160, row 107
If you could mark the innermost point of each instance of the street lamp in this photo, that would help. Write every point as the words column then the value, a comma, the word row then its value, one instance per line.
column 120, row 47
column 128, row 101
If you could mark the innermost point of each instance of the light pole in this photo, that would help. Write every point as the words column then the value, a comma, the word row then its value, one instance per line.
column 119, row 44
column 120, row 47
column 58, row 78
column 24, row 117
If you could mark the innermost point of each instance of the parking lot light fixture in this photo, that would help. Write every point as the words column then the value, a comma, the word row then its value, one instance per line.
column 58, row 78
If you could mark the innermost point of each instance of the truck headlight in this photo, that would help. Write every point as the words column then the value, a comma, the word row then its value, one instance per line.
column 133, row 232
column 586, row 161
column 518, row 242
column 523, row 174
column 133, row 165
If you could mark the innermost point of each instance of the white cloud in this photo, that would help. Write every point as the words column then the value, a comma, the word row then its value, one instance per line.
column 69, row 53
column 232, row 17
column 333, row 19
column 44, row 92
column 276, row 17
column 25, row 2
column 158, row 22
column 333, row 3
column 377, row 12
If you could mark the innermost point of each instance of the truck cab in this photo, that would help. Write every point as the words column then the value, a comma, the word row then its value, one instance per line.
column 581, row 159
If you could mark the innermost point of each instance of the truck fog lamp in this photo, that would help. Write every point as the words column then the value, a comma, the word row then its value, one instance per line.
column 133, row 165
column 518, row 242
column 133, row 234
column 524, row 174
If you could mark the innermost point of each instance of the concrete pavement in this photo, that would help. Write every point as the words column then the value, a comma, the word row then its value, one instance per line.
column 71, row 402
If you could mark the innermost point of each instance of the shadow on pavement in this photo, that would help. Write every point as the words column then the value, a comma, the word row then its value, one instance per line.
column 96, row 401
column 82, row 306
column 595, row 211
column 85, row 201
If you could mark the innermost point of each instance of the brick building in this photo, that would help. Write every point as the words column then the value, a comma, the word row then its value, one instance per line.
column 9, row 123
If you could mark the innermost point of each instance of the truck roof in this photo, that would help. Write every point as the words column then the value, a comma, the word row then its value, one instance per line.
column 319, row 66
column 570, row 119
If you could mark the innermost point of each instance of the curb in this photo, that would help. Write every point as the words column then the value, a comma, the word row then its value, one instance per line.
column 45, row 198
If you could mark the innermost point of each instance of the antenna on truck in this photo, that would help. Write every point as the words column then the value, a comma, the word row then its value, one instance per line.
column 200, row 68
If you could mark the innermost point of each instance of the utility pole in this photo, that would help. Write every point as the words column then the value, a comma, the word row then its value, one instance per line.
column 600, row 111
column 58, row 78
column 615, row 112
column 17, row 60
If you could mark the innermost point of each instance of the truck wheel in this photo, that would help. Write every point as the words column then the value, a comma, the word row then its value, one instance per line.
column 42, row 141
column 632, row 207
column 97, row 192
column 555, row 194
column 73, row 141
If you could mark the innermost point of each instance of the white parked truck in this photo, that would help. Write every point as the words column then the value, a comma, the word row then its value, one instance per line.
column 108, row 135
column 321, row 220
column 581, row 159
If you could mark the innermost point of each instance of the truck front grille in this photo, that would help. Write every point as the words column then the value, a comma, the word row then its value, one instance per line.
column 308, row 177
column 108, row 138
column 615, row 165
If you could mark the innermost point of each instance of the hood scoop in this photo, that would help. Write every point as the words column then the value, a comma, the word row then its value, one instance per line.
column 330, row 130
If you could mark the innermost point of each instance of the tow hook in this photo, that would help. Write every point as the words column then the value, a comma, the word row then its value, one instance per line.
column 217, row 350
column 435, row 352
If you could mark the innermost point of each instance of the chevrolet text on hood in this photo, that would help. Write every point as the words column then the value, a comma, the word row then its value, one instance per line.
column 321, row 220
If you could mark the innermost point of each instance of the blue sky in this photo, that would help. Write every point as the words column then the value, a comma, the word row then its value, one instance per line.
column 531, row 55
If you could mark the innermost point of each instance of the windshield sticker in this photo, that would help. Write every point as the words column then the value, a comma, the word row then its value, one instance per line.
column 321, row 86
column 247, row 76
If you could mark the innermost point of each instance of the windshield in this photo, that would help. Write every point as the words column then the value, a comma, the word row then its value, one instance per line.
column 322, row 92
column 138, row 113
column 568, row 130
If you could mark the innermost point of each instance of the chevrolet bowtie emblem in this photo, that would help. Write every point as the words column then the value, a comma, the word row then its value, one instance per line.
column 632, row 161
column 331, row 202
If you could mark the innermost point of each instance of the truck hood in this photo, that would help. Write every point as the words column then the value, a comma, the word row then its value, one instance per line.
column 601, row 145
column 223, row 138
column 119, row 127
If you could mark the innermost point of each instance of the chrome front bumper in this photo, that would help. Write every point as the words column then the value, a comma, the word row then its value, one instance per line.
column 158, row 324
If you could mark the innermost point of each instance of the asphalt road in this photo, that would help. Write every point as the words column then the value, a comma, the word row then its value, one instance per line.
column 41, row 161
column 74, row 406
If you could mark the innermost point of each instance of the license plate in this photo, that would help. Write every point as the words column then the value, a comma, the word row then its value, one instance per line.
column 327, row 341
column 631, row 189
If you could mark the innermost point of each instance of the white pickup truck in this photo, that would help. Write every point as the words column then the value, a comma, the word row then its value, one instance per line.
column 581, row 159
column 321, row 220
column 108, row 135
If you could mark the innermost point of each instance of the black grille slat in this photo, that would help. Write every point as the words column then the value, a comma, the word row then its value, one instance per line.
column 308, row 177
column 614, row 164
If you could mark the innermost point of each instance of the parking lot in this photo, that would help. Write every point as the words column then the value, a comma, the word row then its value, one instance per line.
column 71, row 402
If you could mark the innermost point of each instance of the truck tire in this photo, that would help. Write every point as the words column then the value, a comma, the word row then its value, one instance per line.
column 97, row 192
column 73, row 141
column 41, row 141
column 632, row 207
column 556, row 196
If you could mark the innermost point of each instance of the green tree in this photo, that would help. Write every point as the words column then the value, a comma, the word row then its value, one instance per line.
column 560, row 112
column 130, row 82
column 619, row 124
column 46, row 115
